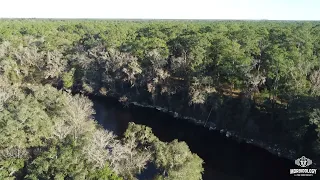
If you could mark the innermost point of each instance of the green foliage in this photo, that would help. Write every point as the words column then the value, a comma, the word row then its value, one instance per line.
column 68, row 78
column 141, row 133
column 177, row 162
column 142, row 46
column 315, row 119
column 273, row 67
column 173, row 159
column 104, row 174
column 28, row 119
column 66, row 162
column 10, row 69
column 53, row 136
column 10, row 168
column 51, row 126
column 59, row 162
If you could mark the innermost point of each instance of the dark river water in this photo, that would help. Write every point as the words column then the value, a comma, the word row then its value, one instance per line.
column 225, row 159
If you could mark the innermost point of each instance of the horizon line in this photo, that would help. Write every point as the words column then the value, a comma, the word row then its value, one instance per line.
column 153, row 19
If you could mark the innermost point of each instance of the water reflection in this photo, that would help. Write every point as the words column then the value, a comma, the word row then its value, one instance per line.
column 225, row 159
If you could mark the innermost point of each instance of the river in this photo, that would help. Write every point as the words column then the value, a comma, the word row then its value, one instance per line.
column 225, row 158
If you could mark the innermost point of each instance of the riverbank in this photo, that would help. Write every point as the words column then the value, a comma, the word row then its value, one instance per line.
column 225, row 157
column 272, row 148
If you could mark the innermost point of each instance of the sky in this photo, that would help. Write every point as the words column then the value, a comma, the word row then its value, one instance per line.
column 163, row 9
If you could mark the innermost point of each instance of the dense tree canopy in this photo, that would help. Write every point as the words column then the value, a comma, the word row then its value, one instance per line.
column 260, row 79
column 49, row 134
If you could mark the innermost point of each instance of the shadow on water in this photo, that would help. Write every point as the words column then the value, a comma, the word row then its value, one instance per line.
column 225, row 158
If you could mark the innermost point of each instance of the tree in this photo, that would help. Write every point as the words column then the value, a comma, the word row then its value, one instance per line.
column 315, row 83
column 129, row 158
column 174, row 159
column 10, row 168
column 66, row 162
column 177, row 162
column 315, row 119
column 29, row 122
column 68, row 78
column 99, row 149
column 104, row 174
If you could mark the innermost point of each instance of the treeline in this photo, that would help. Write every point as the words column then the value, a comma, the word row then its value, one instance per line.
column 260, row 79
column 49, row 134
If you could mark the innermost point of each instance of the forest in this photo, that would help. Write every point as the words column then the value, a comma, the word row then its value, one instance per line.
column 260, row 79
